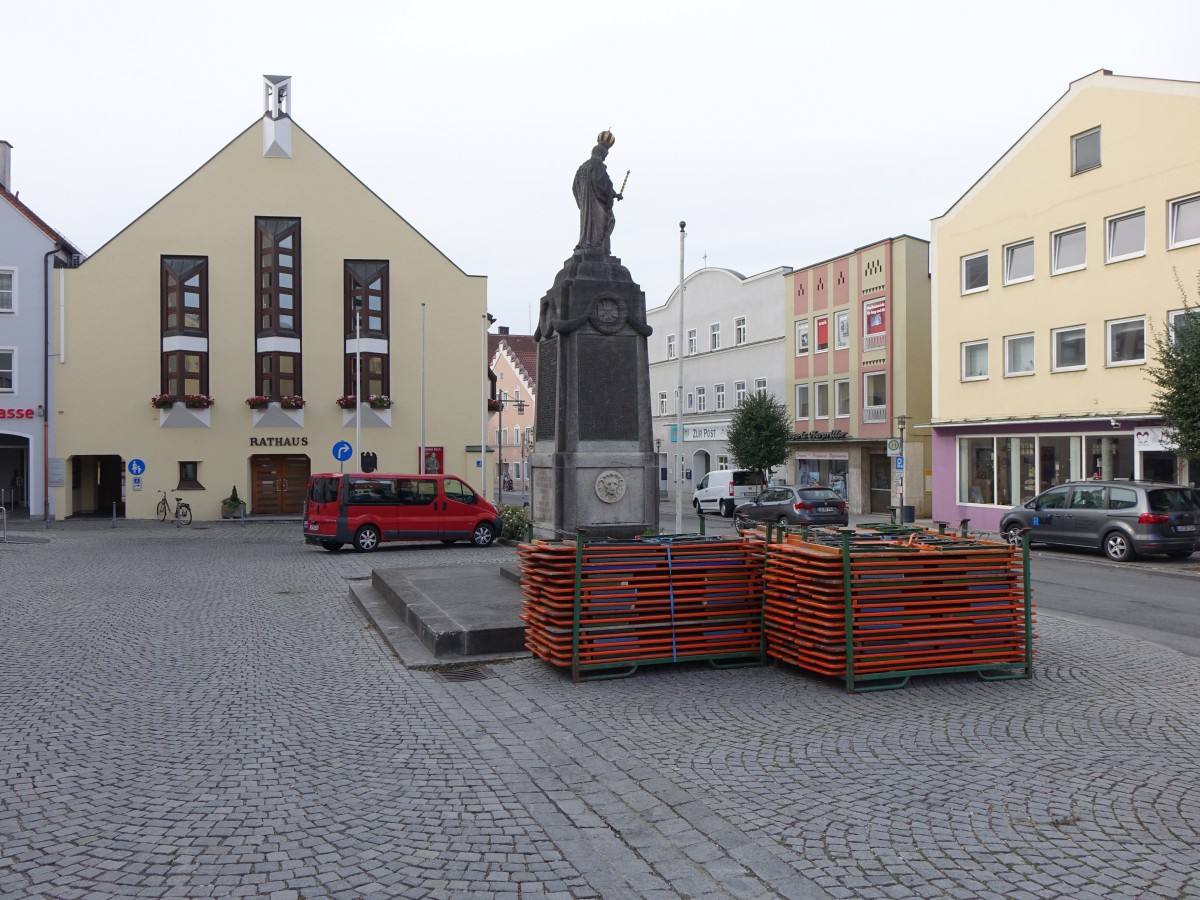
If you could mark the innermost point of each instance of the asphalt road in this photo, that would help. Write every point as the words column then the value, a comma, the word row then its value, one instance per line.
column 1151, row 600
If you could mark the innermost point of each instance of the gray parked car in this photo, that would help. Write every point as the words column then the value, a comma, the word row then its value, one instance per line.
column 795, row 506
column 1122, row 518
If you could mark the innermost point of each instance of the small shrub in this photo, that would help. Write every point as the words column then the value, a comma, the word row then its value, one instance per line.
column 514, row 521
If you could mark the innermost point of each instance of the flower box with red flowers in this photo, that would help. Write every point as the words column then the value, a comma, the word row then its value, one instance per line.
column 291, row 401
column 163, row 401
column 258, row 401
column 347, row 401
column 198, row 401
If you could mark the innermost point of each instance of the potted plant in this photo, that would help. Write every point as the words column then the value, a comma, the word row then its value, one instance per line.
column 258, row 401
column 347, row 401
column 163, row 401
column 291, row 401
column 493, row 405
column 198, row 401
column 380, row 401
column 232, row 507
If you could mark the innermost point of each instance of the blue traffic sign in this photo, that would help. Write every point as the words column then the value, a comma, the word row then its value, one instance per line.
column 136, row 467
column 342, row 451
column 899, row 463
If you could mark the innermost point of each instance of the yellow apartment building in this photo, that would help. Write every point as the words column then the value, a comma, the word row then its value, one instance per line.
column 1051, row 276
column 216, row 341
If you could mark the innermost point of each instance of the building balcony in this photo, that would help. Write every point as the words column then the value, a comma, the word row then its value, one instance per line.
column 874, row 414
column 874, row 341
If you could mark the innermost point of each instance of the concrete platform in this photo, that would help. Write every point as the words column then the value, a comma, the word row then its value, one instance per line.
column 445, row 616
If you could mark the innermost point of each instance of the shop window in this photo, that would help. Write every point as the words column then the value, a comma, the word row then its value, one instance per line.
column 830, row 469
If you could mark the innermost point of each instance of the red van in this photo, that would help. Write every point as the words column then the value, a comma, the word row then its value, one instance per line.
column 367, row 510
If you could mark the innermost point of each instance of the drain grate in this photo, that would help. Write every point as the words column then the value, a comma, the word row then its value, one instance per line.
column 474, row 673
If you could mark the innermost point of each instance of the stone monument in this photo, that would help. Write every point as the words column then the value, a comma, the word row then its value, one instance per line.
column 593, row 464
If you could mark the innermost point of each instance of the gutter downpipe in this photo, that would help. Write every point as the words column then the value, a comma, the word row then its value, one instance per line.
column 46, row 276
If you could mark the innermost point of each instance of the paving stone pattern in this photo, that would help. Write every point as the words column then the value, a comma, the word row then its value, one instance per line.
column 201, row 712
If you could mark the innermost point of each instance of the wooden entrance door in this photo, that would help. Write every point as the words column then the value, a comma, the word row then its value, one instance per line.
column 279, row 484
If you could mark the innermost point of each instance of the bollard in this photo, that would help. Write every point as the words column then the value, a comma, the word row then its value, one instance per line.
column 114, row 516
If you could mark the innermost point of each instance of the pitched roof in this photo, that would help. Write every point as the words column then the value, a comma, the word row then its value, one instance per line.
column 521, row 350
column 37, row 222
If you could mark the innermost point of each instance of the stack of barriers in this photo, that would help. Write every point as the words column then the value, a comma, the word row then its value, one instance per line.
column 606, row 607
column 879, row 604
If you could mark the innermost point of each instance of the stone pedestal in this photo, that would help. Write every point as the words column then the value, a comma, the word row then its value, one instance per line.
column 593, row 464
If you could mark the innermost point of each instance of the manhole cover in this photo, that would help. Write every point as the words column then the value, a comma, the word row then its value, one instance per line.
column 475, row 673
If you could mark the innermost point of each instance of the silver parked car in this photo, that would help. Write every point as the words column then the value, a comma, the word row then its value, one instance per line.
column 795, row 506
column 1122, row 518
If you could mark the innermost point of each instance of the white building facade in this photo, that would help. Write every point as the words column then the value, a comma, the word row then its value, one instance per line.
column 730, row 343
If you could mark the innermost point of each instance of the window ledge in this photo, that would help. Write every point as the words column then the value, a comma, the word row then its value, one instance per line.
column 1127, row 256
column 978, row 290
column 1068, row 271
column 1018, row 281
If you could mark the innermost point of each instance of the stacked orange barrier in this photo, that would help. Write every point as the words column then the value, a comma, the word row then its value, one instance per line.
column 913, row 603
column 641, row 602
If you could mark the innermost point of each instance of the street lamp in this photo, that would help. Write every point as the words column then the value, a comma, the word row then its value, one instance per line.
column 358, row 397
column 502, row 401
column 901, row 421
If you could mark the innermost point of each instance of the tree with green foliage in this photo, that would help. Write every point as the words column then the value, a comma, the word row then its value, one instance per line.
column 759, row 432
column 1176, row 373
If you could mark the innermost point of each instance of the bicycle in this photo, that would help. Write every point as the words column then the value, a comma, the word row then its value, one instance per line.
column 183, row 512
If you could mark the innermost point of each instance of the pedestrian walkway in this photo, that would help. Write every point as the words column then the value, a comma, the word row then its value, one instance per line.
column 203, row 712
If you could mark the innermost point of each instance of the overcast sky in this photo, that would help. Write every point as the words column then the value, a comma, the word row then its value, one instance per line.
column 784, row 133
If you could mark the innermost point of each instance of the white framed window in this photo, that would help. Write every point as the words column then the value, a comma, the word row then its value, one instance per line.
column 516, row 435
column 691, row 342
column 1126, row 341
column 974, row 360
column 691, row 401
column 760, row 385
column 8, row 369
column 722, row 463
column 670, row 346
column 1085, row 151
column 1183, row 223
column 841, row 330
column 701, row 399
column 975, row 273
column 714, row 336
column 1069, row 250
column 1018, row 262
column 821, row 323
column 529, row 433
column 1018, row 355
column 822, row 400
column 1176, row 317
column 874, row 397
column 1125, row 236
column 739, row 392
column 739, row 331
column 841, row 399
column 1068, row 348
column 802, row 337
column 719, row 395
column 874, row 323
column 802, row 410
column 662, row 403
column 8, row 290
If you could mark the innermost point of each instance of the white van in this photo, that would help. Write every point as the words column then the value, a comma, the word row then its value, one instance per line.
column 722, row 490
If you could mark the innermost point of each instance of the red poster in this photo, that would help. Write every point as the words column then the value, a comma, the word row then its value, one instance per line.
column 874, row 316
column 822, row 333
column 435, row 460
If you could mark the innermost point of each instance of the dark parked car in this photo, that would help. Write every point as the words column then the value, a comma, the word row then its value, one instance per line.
column 795, row 506
column 1121, row 518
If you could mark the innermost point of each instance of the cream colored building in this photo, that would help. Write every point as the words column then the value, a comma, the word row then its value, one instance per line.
column 242, row 284
column 858, row 372
column 1051, row 275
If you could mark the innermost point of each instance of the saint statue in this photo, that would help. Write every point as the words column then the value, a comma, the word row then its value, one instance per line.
column 595, row 194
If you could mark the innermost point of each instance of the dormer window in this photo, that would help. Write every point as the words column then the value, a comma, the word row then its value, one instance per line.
column 1085, row 151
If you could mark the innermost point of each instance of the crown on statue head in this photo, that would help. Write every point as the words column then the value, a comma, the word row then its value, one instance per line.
column 606, row 138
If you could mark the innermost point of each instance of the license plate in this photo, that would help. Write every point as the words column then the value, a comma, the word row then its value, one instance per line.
column 314, row 527
column 1185, row 527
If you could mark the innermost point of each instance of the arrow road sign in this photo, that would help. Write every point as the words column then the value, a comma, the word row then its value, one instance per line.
column 342, row 451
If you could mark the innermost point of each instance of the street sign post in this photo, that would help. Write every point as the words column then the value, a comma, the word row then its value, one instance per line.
column 342, row 451
column 137, row 467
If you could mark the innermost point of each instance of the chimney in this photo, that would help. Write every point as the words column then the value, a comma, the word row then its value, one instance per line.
column 277, row 119
column 6, row 165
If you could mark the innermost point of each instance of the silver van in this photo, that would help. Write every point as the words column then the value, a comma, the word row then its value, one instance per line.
column 1122, row 518
column 724, row 490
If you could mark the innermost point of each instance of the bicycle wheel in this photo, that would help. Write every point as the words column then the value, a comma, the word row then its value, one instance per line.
column 185, row 513
column 162, row 510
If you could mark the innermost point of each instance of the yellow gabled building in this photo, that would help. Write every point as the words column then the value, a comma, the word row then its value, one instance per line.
column 242, row 302
column 1051, row 276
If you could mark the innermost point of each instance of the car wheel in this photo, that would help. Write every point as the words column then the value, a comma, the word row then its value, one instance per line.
column 783, row 520
column 483, row 535
column 1117, row 547
column 366, row 539
column 741, row 524
column 696, row 506
column 1011, row 533
column 727, row 509
column 331, row 545
column 1179, row 554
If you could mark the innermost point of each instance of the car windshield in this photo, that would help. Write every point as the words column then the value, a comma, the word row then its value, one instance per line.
column 1170, row 500
column 808, row 495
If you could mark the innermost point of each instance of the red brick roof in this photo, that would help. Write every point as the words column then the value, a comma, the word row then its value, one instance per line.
column 522, row 348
